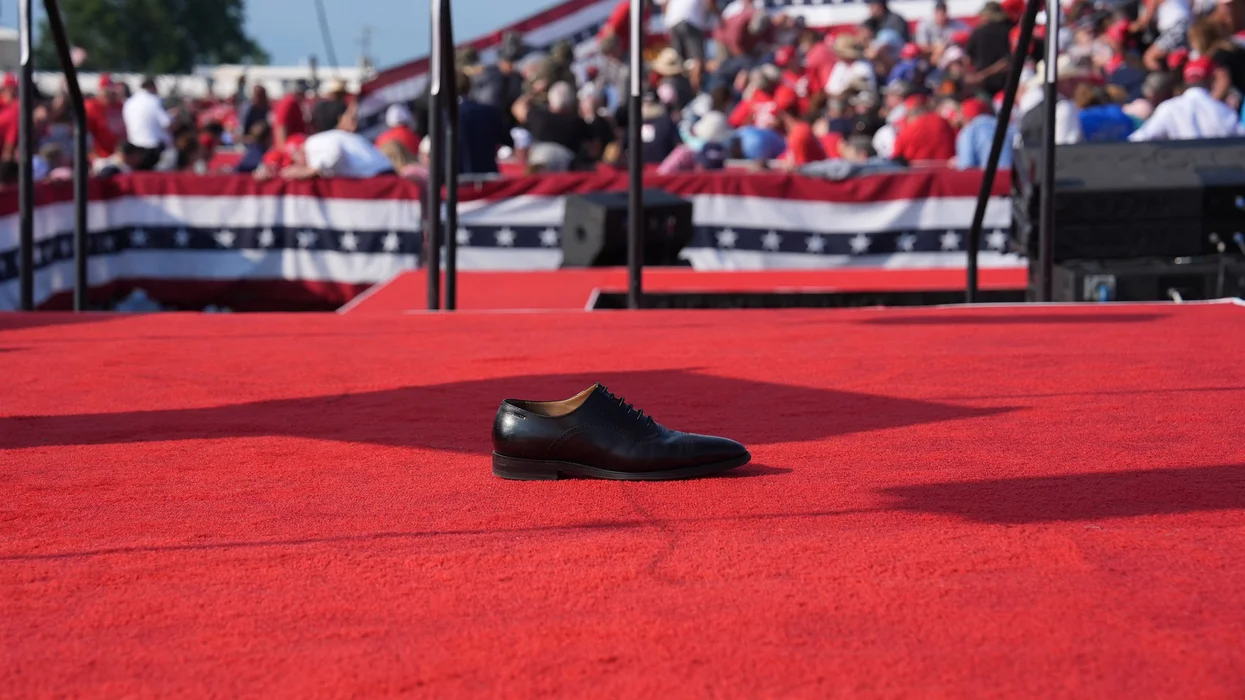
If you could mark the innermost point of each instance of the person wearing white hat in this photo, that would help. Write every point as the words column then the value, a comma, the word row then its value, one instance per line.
column 398, row 119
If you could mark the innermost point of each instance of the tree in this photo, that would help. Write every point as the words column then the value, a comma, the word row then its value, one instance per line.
column 152, row 36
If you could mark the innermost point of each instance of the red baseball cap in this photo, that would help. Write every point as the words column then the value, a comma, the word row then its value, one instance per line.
column 961, row 37
column 1195, row 71
column 910, row 51
column 1177, row 58
column 295, row 141
column 10, row 80
column 1118, row 32
column 1014, row 9
column 972, row 108
column 915, row 102
column 105, row 80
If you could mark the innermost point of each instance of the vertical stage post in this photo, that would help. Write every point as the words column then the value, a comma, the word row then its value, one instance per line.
column 635, row 199
column 432, row 219
column 81, row 162
column 453, row 157
column 25, row 182
column 996, row 148
column 1050, row 101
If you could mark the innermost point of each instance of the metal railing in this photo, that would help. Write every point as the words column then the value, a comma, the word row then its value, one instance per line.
column 81, row 168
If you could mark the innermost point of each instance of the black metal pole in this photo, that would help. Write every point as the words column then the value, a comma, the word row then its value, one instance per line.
column 635, row 164
column 451, row 158
column 432, row 226
column 81, row 162
column 1015, row 68
column 25, row 182
column 1050, row 101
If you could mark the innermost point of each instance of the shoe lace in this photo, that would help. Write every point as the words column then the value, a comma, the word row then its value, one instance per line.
column 632, row 411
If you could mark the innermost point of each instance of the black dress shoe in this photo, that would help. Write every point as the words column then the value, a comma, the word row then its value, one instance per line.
column 597, row 434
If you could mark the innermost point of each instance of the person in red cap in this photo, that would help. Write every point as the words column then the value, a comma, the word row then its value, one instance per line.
column 1195, row 114
column 1208, row 38
column 976, row 137
column 104, row 119
column 8, row 90
column 925, row 135
column 802, row 146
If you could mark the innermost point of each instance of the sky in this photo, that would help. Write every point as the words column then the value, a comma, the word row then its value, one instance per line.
column 290, row 32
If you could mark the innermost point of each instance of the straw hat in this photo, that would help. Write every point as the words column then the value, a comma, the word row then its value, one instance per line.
column 668, row 63
column 846, row 47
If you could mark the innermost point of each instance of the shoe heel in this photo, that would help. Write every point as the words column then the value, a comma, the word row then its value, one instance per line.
column 524, row 469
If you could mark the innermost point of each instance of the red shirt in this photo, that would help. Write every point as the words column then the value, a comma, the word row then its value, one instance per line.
column 745, row 112
column 403, row 135
column 927, row 137
column 818, row 63
column 733, row 33
column 799, row 83
column 619, row 23
column 100, row 128
column 287, row 113
column 830, row 144
column 10, row 124
column 802, row 146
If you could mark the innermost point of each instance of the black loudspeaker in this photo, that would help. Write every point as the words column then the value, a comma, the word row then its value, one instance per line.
column 594, row 230
column 1133, row 200
column 1148, row 280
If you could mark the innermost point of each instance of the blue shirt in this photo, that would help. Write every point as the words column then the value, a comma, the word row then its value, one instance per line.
column 1106, row 124
column 760, row 144
column 972, row 145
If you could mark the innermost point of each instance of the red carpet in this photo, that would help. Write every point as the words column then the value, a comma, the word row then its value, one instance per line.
column 1039, row 502
column 573, row 288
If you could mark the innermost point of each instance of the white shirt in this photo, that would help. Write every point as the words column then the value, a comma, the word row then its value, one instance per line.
column 694, row 12
column 1192, row 115
column 146, row 122
column 338, row 153
column 1171, row 13
column 845, row 74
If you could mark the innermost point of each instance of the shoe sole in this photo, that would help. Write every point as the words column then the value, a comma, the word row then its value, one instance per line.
column 548, row 470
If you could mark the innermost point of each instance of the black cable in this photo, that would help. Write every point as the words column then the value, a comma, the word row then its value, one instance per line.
column 328, row 38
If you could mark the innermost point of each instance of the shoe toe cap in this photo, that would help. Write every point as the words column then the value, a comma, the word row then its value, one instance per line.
column 708, row 449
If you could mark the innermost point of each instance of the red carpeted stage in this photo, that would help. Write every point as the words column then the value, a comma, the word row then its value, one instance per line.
column 578, row 288
column 954, row 502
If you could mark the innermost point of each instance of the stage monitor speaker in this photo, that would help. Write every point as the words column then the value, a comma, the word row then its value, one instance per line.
column 594, row 230
column 1131, row 200
column 1148, row 280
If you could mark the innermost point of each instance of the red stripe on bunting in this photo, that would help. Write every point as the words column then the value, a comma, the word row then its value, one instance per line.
column 923, row 184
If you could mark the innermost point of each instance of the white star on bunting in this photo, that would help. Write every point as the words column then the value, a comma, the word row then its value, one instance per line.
column 463, row 236
column 505, row 237
column 906, row 242
column 349, row 241
column 138, row 238
column 950, row 240
column 306, row 239
column 267, row 238
column 549, row 237
column 860, row 244
column 816, row 243
column 727, row 238
column 997, row 240
column 225, row 238
column 181, row 238
column 771, row 241
column 392, row 243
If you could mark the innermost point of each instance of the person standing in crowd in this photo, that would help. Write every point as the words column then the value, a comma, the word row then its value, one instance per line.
column 882, row 17
column 398, row 119
column 147, row 125
column 558, row 122
column 256, row 111
column 1207, row 38
column 925, row 136
column 601, row 128
column 287, row 116
column 976, row 137
column 329, row 111
column 500, row 85
column 989, row 49
column 481, row 132
column 688, row 22
column 1192, row 115
column 257, row 143
column 938, row 30
column 104, row 118
column 669, row 71
column 659, row 135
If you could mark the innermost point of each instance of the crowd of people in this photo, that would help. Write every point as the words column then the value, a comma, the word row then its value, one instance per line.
column 727, row 87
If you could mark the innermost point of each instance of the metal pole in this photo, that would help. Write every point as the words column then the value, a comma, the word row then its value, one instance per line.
column 432, row 226
column 1000, row 137
column 81, row 163
column 25, row 182
column 452, row 159
column 1051, row 99
column 635, row 163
